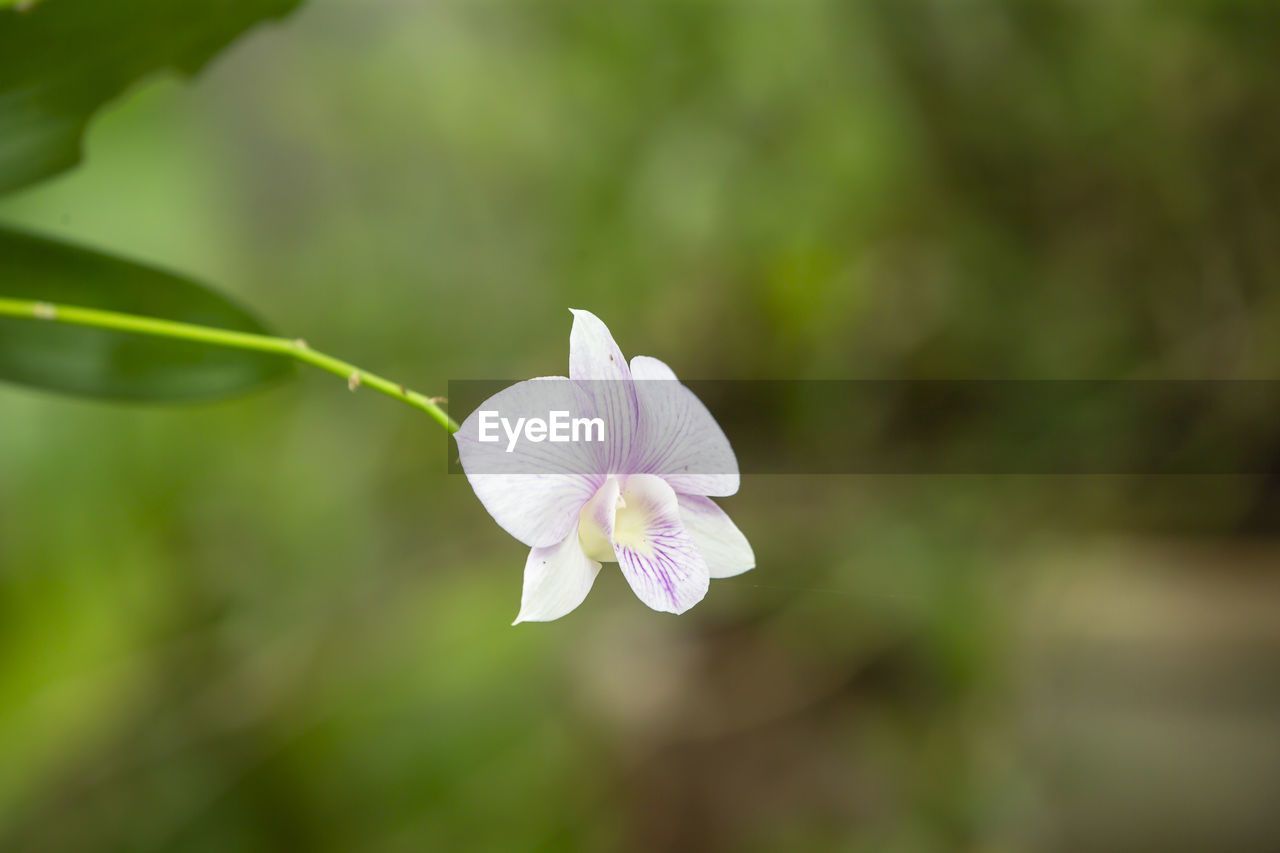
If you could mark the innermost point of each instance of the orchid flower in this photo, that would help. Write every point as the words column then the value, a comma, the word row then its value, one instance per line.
column 640, row 496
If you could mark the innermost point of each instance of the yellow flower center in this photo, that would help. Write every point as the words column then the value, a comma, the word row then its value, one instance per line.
column 630, row 521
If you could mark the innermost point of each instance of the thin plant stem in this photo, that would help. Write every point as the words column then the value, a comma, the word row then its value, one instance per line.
column 156, row 327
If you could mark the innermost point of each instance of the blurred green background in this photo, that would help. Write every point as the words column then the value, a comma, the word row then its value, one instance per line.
column 277, row 624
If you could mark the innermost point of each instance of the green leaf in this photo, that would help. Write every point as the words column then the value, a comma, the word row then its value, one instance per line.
column 60, row 60
column 115, row 365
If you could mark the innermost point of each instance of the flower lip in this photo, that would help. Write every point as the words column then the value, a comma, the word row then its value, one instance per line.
column 658, row 557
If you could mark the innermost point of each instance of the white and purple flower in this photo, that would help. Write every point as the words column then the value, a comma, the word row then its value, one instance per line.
column 639, row 497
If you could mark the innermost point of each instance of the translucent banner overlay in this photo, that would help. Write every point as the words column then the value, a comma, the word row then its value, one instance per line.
column 870, row 426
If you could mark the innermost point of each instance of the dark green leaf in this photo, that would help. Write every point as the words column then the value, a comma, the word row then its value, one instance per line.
column 62, row 59
column 114, row 365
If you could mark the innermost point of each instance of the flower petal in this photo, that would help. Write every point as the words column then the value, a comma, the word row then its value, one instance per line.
column 534, row 491
column 722, row 545
column 556, row 580
column 657, row 556
column 680, row 440
column 593, row 354
column 648, row 368
column 596, row 363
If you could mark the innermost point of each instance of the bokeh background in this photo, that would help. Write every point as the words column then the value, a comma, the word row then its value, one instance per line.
column 278, row 624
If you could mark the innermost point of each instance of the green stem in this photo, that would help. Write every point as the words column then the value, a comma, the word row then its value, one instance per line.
column 94, row 318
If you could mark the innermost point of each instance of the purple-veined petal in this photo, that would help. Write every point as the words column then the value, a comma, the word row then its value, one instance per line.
column 534, row 491
column 556, row 580
column 722, row 545
column 679, row 439
column 597, row 364
column 534, row 508
column 658, row 557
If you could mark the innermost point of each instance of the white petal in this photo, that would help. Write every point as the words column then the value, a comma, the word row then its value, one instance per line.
column 535, row 491
column 556, row 580
column 593, row 354
column 722, row 545
column 657, row 556
column 680, row 440
column 647, row 367
column 598, row 366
